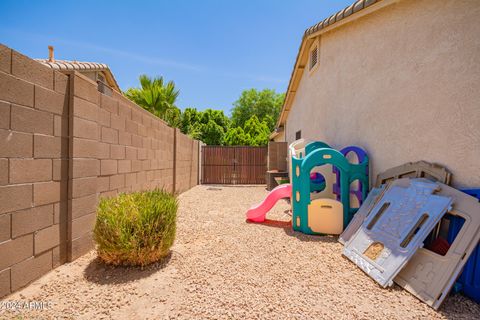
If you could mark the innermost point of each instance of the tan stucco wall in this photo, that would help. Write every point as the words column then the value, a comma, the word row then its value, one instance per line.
column 402, row 82
column 280, row 137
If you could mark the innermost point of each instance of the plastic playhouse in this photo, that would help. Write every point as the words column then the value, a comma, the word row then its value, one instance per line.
column 324, row 183
column 412, row 228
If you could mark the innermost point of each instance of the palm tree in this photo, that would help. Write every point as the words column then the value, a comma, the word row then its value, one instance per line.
column 155, row 96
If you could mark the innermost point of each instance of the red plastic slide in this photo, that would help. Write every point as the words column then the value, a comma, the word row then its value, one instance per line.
column 257, row 213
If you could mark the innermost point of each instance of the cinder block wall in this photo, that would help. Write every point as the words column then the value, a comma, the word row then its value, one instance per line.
column 63, row 146
column 186, row 162
column 33, row 169
column 116, row 147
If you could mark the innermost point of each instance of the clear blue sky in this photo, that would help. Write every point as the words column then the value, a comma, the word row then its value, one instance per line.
column 212, row 49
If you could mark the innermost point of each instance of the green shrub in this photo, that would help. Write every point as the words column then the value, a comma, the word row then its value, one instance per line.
column 136, row 229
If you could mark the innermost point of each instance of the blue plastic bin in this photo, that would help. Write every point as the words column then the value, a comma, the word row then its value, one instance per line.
column 469, row 280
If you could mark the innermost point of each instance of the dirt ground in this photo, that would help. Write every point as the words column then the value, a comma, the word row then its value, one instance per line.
column 224, row 268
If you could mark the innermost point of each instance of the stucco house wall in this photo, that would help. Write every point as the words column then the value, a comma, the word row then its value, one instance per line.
column 402, row 82
column 280, row 137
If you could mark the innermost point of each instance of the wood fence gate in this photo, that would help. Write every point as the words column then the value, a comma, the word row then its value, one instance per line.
column 234, row 165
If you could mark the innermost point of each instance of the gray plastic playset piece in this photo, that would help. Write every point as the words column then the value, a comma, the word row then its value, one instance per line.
column 397, row 226
column 427, row 275
column 419, row 169
column 362, row 213
column 430, row 276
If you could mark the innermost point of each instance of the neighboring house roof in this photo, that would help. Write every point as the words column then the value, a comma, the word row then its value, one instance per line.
column 353, row 11
column 65, row 65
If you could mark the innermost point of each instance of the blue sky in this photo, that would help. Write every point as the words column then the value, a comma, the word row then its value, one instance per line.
column 212, row 49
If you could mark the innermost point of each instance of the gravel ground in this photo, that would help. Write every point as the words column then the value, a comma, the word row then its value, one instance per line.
column 224, row 268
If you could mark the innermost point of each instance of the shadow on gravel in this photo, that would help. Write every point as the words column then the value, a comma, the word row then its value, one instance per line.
column 456, row 306
column 287, row 227
column 273, row 223
column 310, row 238
column 100, row 273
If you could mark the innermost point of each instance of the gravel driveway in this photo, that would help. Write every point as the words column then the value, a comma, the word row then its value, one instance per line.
column 224, row 268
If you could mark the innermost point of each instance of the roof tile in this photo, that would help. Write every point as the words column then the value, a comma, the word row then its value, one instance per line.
column 331, row 20
column 348, row 11
column 358, row 5
column 342, row 14
column 65, row 65
column 325, row 23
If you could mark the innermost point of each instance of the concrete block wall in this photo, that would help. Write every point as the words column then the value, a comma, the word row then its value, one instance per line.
column 186, row 162
column 33, row 169
column 63, row 146
column 117, row 147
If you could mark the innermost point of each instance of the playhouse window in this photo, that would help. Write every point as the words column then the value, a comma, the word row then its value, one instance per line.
column 354, row 190
column 444, row 234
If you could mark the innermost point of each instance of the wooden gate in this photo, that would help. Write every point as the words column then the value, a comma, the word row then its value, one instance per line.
column 234, row 165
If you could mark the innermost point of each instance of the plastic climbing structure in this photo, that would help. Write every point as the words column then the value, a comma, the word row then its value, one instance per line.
column 326, row 215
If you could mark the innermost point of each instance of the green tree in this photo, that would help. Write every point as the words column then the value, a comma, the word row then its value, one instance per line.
column 190, row 118
column 173, row 117
column 211, row 133
column 195, row 131
column 265, row 104
column 257, row 131
column 157, row 97
column 209, row 125
column 254, row 133
column 216, row 116
column 236, row 137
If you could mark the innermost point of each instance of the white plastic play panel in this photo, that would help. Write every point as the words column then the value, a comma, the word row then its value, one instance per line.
column 396, row 228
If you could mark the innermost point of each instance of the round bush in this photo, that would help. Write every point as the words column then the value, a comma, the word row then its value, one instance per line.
column 136, row 229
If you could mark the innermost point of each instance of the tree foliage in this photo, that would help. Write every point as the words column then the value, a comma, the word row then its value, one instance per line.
column 254, row 133
column 211, row 133
column 208, row 126
column 189, row 119
column 157, row 97
column 254, row 114
column 265, row 105
column 173, row 117
column 257, row 131
column 236, row 137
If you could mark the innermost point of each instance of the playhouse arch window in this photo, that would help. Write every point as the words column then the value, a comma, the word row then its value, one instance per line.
column 321, row 182
column 352, row 157
column 355, row 194
column 444, row 234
